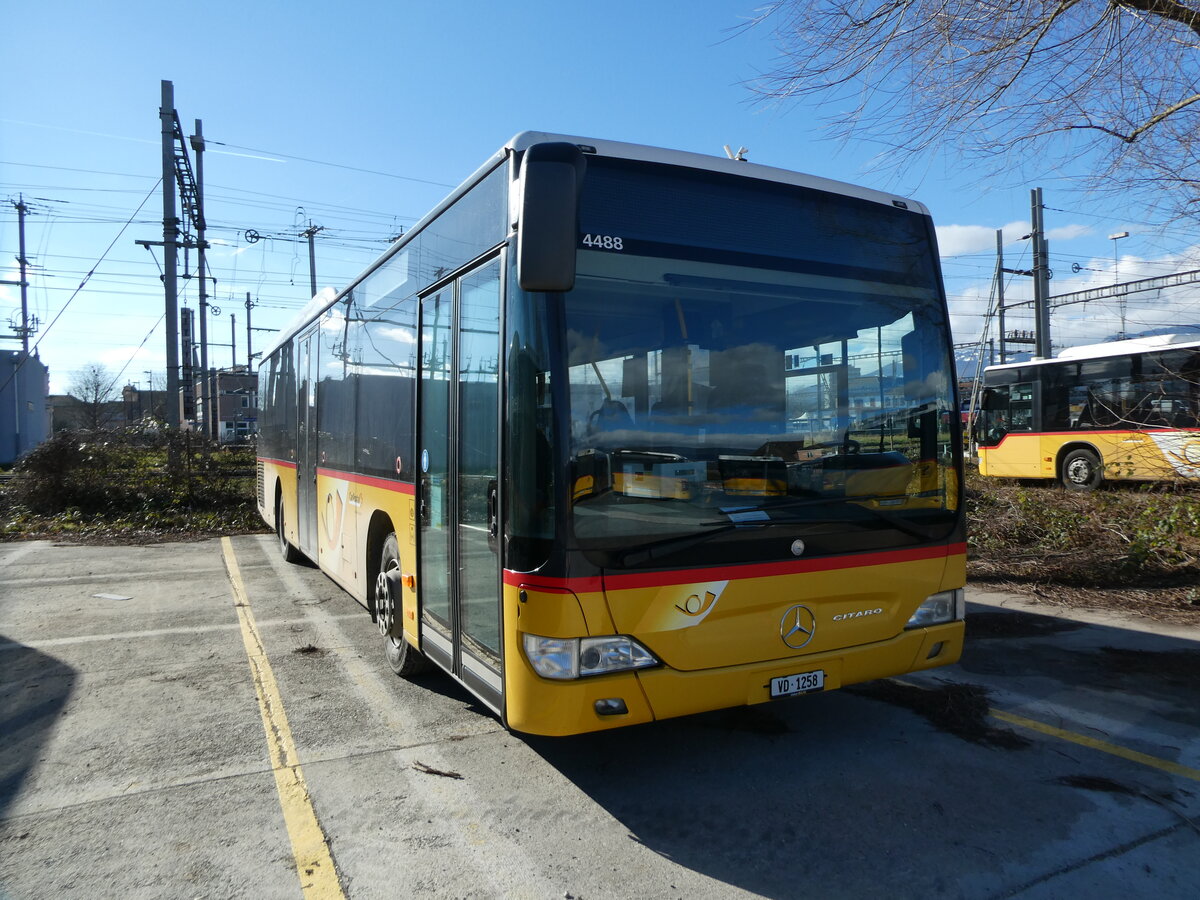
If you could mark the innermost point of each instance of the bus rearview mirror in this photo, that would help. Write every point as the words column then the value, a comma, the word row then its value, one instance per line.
column 548, row 227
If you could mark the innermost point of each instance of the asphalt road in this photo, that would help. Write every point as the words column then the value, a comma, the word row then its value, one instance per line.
column 203, row 720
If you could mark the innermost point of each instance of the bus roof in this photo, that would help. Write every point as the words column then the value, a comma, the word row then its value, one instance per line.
column 1149, row 344
column 645, row 153
column 522, row 141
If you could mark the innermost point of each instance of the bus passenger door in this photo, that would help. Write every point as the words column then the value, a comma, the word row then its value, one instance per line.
column 458, row 444
column 306, row 446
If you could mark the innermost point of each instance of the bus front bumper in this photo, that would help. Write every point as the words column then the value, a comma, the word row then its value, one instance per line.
column 539, row 706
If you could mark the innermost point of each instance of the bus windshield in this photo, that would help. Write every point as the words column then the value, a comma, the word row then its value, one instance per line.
column 728, row 413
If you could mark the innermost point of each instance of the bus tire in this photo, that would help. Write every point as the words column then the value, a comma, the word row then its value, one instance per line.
column 1081, row 471
column 403, row 657
column 286, row 550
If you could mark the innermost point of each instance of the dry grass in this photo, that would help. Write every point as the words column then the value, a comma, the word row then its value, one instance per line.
column 120, row 488
column 1128, row 547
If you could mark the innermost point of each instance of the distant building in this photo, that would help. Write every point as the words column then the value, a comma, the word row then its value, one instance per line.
column 69, row 413
column 64, row 412
column 235, row 398
column 24, row 412
column 142, row 408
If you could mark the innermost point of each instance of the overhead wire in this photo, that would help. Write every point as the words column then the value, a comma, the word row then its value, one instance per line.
column 86, row 278
column 320, row 162
column 149, row 334
column 358, row 242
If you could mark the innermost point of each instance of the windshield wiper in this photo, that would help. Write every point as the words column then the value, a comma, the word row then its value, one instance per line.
column 821, row 501
column 897, row 522
column 667, row 546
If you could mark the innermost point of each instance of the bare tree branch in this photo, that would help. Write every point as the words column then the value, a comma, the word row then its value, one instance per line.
column 1166, row 9
column 92, row 387
column 1117, row 81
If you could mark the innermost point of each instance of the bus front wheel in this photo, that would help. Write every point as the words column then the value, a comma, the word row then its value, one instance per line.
column 403, row 657
column 1081, row 471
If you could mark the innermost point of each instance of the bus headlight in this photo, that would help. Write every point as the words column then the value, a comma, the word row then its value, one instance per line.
column 567, row 658
column 598, row 655
column 948, row 606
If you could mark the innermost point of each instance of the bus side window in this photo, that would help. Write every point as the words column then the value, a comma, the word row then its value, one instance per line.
column 1021, row 407
column 1056, row 405
column 992, row 424
column 1081, row 407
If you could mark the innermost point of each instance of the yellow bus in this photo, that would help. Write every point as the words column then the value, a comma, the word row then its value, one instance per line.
column 617, row 433
column 1122, row 411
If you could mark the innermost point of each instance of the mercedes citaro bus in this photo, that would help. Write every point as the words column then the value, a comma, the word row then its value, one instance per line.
column 1126, row 410
column 617, row 433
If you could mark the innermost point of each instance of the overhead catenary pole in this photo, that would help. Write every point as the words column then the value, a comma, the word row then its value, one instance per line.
column 249, row 354
column 21, row 210
column 197, row 141
column 1041, row 275
column 170, row 236
column 311, row 233
column 150, row 381
column 1116, row 276
column 1000, row 288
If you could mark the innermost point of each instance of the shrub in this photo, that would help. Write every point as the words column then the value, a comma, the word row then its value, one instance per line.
column 105, row 481
column 1125, row 536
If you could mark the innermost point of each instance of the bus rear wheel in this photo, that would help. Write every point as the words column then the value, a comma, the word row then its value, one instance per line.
column 1081, row 471
column 286, row 550
column 403, row 657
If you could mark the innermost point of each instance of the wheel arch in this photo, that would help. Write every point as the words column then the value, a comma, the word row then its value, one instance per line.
column 1071, row 446
column 378, row 529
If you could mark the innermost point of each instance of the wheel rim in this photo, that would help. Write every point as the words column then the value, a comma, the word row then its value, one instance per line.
column 1079, row 471
column 385, row 603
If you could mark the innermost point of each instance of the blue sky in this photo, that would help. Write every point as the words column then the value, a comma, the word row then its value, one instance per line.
column 297, row 99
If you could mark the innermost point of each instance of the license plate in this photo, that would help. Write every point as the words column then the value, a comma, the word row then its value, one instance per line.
column 804, row 683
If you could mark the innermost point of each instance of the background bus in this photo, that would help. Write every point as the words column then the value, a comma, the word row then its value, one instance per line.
column 617, row 433
column 1126, row 410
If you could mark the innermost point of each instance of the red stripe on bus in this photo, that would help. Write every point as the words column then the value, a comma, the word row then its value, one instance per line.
column 588, row 585
column 732, row 573
column 403, row 487
column 1097, row 432
column 277, row 462
column 1108, row 431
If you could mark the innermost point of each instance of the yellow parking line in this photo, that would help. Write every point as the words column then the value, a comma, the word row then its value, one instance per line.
column 1144, row 759
column 310, row 846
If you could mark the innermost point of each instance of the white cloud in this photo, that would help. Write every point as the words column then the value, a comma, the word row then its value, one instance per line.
column 1097, row 320
column 961, row 240
column 1068, row 233
column 134, row 362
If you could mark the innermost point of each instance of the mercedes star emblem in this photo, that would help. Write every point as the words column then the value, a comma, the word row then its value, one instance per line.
column 797, row 626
